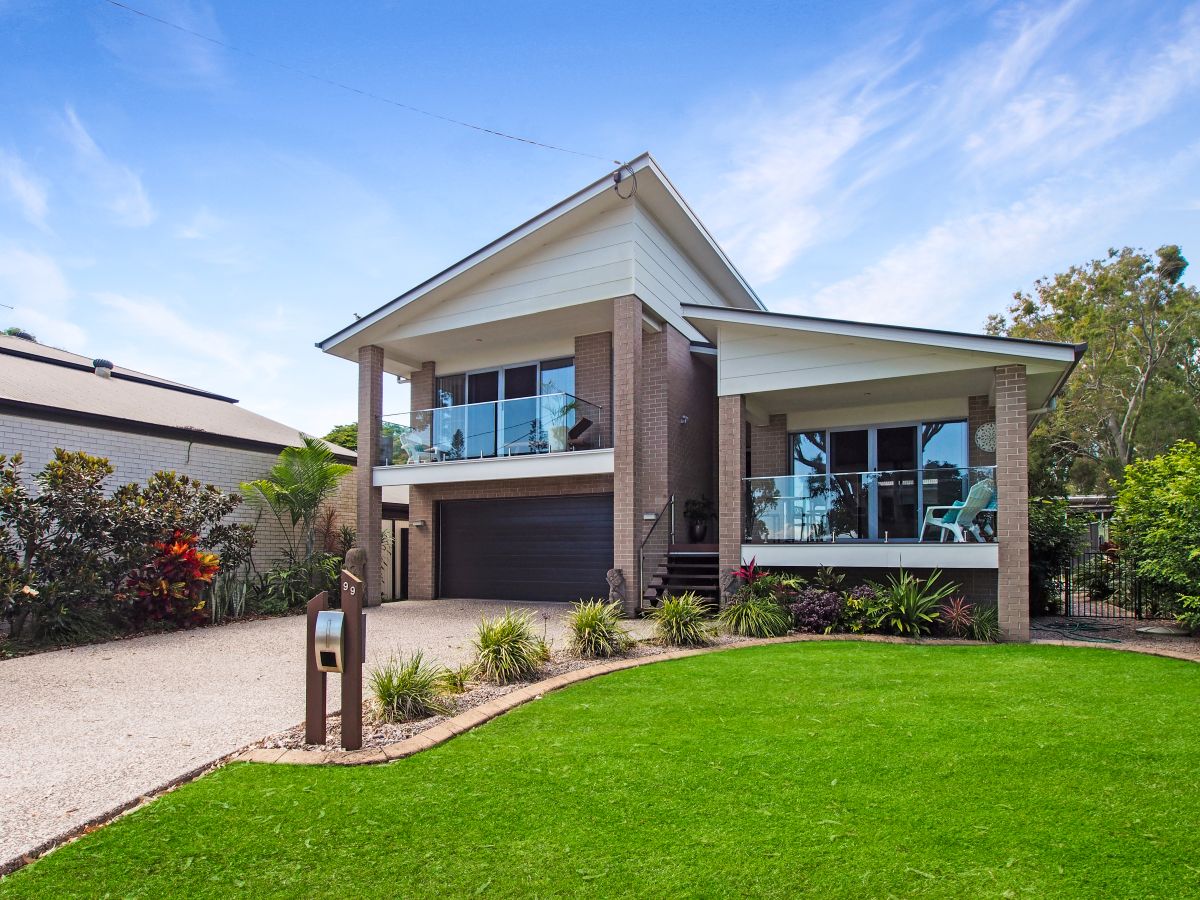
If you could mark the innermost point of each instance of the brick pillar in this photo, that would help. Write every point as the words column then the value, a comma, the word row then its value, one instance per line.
column 627, row 391
column 654, row 435
column 593, row 378
column 370, row 497
column 421, row 383
column 979, row 412
column 731, row 469
column 1012, row 487
column 421, row 581
column 769, row 449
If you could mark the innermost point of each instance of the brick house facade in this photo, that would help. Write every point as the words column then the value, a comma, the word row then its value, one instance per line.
column 865, row 447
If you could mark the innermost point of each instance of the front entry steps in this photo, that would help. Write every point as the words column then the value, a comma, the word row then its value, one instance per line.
column 687, row 567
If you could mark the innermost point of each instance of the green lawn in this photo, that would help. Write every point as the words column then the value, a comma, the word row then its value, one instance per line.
column 823, row 769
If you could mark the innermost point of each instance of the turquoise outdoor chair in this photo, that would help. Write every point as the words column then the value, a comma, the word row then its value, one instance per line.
column 960, row 518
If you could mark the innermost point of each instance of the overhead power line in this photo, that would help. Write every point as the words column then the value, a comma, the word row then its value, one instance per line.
column 371, row 95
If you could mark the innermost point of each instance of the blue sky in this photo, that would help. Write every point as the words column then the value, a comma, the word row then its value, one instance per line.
column 198, row 214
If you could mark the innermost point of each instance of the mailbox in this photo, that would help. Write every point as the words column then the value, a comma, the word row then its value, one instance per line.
column 330, row 644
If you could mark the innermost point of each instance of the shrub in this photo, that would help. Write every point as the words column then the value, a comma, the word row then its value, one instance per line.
column 1054, row 540
column 908, row 604
column 68, row 547
column 859, row 610
column 171, row 587
column 1156, row 521
column 596, row 630
column 755, row 616
column 957, row 617
column 506, row 648
column 986, row 626
column 292, row 583
column 406, row 688
column 679, row 621
column 817, row 610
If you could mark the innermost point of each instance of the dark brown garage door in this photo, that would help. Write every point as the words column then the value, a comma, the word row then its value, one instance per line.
column 545, row 548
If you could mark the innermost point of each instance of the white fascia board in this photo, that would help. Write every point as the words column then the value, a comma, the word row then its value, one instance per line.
column 1066, row 353
column 852, row 555
column 547, row 465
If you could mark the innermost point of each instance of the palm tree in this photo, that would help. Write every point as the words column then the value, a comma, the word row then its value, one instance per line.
column 297, row 486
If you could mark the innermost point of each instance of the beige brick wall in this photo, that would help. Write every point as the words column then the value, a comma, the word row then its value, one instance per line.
column 422, row 505
column 593, row 378
column 421, row 387
column 692, row 393
column 979, row 412
column 769, row 448
column 1012, row 484
column 135, row 457
column 627, row 388
column 370, row 505
column 653, row 407
column 731, row 465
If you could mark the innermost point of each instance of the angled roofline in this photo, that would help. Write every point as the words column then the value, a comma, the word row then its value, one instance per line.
column 909, row 334
column 116, row 375
column 597, row 187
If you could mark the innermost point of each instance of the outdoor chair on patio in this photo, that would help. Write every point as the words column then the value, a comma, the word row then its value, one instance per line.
column 959, row 519
column 415, row 447
column 575, row 437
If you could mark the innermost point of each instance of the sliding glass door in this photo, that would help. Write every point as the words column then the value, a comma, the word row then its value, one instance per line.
column 873, row 483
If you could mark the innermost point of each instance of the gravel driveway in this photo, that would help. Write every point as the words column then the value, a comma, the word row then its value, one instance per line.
column 84, row 731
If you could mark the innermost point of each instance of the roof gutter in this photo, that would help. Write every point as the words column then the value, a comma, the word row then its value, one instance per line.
column 1079, row 349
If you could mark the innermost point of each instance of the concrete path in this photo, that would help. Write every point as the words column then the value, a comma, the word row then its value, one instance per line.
column 84, row 731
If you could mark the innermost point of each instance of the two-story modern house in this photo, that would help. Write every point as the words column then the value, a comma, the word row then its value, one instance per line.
column 577, row 380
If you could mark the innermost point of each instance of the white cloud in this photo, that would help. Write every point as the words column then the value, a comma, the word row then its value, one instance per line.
column 1058, row 118
column 34, row 285
column 164, row 54
column 163, row 333
column 23, row 188
column 200, row 227
column 118, row 186
column 947, row 275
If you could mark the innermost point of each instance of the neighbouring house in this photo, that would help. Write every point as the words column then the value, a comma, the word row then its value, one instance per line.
column 142, row 424
column 580, row 378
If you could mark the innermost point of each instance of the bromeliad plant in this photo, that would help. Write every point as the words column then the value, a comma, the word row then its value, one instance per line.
column 908, row 605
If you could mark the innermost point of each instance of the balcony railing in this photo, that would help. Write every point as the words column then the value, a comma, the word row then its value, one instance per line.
column 547, row 423
column 931, row 504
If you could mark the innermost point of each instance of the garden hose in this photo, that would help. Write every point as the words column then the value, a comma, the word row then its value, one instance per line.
column 1080, row 631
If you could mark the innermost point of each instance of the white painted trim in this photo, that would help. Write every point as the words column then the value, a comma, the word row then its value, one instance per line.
column 925, row 337
column 852, row 555
column 545, row 465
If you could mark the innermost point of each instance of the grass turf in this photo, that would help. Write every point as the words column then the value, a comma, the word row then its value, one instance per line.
column 823, row 769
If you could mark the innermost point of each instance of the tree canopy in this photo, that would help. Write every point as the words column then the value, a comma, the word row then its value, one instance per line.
column 1136, row 390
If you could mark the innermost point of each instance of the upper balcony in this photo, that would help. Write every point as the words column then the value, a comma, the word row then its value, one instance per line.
column 521, row 437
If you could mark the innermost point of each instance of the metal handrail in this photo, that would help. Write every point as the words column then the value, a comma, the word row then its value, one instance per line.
column 668, row 507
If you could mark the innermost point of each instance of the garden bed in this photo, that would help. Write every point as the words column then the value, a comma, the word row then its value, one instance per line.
column 378, row 734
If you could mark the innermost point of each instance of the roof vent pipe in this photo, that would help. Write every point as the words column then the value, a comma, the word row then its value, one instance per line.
column 103, row 367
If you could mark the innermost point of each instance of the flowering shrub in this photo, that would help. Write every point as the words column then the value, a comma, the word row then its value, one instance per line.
column 816, row 610
column 171, row 586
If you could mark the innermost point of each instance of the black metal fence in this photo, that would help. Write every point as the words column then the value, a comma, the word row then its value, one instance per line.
column 1101, row 585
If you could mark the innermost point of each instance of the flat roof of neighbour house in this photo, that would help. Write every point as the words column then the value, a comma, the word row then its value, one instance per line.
column 50, row 383
column 654, row 190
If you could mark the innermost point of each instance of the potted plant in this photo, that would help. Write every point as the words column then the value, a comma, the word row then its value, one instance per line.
column 698, row 513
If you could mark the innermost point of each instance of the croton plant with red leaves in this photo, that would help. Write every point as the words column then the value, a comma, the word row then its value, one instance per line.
column 171, row 586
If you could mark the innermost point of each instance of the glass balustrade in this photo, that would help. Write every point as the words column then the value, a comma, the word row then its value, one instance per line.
column 547, row 423
column 932, row 504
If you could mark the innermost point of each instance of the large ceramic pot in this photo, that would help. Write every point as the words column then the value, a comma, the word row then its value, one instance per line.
column 697, row 531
